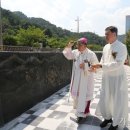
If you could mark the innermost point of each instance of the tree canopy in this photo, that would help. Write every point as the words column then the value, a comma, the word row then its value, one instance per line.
column 127, row 41
column 18, row 29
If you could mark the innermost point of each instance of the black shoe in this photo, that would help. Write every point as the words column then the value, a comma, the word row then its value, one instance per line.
column 79, row 119
column 113, row 127
column 105, row 122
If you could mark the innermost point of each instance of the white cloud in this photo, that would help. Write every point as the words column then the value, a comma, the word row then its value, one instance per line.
column 102, row 3
column 54, row 10
column 95, row 15
column 59, row 10
column 97, row 19
column 120, row 18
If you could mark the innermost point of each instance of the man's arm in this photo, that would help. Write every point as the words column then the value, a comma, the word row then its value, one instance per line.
column 119, row 60
column 67, row 52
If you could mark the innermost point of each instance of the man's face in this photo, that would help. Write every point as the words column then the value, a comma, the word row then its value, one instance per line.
column 110, row 36
column 81, row 47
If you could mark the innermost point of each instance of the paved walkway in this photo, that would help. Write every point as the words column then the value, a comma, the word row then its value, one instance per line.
column 56, row 113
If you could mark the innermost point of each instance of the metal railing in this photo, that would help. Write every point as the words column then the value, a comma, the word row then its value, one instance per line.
column 43, row 49
column 28, row 49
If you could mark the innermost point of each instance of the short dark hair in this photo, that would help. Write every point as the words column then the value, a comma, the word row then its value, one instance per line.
column 113, row 29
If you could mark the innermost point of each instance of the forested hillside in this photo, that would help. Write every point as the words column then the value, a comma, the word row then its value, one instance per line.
column 20, row 30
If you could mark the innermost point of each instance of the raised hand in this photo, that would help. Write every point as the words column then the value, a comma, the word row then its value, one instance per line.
column 70, row 44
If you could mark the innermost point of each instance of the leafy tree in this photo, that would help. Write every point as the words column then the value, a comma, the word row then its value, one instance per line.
column 31, row 36
column 9, row 40
column 56, row 42
column 10, row 31
column 5, row 24
column 127, row 41
column 32, row 31
column 48, row 32
column 95, row 47
column 53, row 42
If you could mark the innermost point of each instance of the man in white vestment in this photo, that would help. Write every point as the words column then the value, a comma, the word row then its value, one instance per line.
column 113, row 103
column 82, row 81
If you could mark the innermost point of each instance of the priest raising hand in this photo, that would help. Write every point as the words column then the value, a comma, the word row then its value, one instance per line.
column 82, row 81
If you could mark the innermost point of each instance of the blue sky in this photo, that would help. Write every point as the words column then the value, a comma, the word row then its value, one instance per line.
column 95, row 15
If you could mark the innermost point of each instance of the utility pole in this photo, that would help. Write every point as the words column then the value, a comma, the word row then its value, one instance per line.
column 77, row 20
column 1, row 41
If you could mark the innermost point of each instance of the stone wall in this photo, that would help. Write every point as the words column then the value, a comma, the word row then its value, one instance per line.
column 28, row 78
